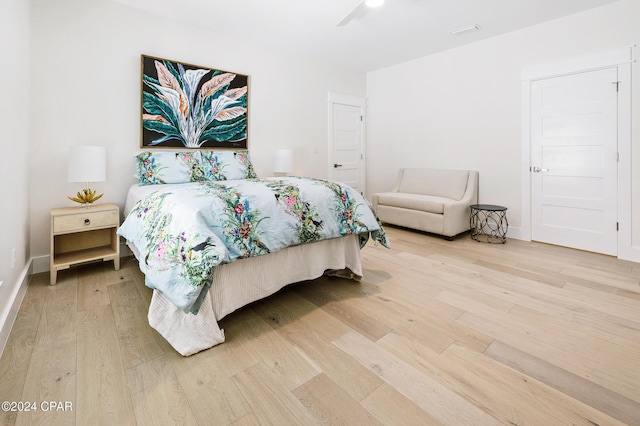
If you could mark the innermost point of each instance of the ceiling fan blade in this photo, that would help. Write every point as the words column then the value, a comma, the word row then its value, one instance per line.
column 357, row 11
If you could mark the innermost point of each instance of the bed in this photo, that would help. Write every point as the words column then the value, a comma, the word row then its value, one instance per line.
column 211, row 237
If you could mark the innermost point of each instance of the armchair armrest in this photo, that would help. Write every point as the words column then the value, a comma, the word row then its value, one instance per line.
column 456, row 215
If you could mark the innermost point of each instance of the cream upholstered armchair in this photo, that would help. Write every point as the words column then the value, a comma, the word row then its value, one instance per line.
column 430, row 200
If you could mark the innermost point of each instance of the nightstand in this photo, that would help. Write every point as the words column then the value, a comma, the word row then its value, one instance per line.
column 84, row 234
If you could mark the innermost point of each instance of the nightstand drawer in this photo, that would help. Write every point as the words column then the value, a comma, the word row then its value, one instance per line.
column 84, row 221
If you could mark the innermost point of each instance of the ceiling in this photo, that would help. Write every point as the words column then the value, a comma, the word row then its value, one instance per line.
column 398, row 31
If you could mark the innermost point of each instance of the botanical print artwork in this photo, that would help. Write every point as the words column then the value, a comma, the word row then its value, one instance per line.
column 188, row 106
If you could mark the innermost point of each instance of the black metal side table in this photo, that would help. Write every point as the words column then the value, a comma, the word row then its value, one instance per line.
column 489, row 223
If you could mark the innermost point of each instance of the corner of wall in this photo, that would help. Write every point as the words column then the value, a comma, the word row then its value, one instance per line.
column 9, row 307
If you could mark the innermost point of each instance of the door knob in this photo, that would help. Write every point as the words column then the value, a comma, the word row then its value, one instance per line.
column 335, row 165
column 537, row 169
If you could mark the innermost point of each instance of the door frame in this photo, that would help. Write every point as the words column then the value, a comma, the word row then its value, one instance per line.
column 355, row 101
column 622, row 59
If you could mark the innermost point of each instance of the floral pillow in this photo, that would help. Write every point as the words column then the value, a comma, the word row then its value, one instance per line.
column 226, row 165
column 168, row 167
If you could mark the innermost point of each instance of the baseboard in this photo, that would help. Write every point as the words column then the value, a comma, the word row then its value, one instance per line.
column 516, row 234
column 12, row 306
column 40, row 264
column 630, row 253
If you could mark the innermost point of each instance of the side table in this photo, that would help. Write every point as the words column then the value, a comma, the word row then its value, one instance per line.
column 83, row 234
column 488, row 223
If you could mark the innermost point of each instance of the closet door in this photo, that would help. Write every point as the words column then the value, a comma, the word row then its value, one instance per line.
column 346, row 140
column 574, row 160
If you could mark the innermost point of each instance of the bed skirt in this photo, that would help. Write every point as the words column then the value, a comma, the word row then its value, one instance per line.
column 242, row 282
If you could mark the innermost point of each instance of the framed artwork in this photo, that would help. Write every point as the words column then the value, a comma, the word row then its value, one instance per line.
column 189, row 106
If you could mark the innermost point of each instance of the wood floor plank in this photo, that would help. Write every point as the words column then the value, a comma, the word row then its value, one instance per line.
column 271, row 401
column 52, row 369
column 157, row 396
column 236, row 354
column 534, row 395
column 15, row 359
column 523, row 273
column 385, row 317
column 248, row 420
column 92, row 287
column 440, row 402
column 58, row 321
column 510, row 396
column 355, row 318
column 138, row 341
column 630, row 294
column 630, row 342
column 584, row 356
column 207, row 387
column 617, row 276
column 330, row 404
column 129, row 271
column 286, row 362
column 325, row 325
column 548, row 299
column 103, row 395
column 51, row 377
column 605, row 356
column 391, row 408
column 603, row 399
column 355, row 380
column 413, row 289
column 593, row 299
column 609, row 325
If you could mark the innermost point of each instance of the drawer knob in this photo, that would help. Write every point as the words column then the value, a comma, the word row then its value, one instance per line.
column 87, row 222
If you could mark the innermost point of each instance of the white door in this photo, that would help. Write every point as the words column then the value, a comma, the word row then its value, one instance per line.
column 574, row 161
column 347, row 153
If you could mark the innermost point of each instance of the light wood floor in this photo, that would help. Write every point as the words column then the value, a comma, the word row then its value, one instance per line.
column 437, row 332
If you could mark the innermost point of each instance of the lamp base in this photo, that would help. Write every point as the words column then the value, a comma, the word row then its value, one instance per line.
column 87, row 196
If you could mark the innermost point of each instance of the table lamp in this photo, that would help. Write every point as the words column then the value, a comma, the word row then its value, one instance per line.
column 87, row 164
column 283, row 161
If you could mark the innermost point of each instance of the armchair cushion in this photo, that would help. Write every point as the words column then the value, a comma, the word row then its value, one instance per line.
column 413, row 201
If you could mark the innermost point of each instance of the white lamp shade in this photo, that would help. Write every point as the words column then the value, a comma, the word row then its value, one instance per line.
column 283, row 161
column 87, row 163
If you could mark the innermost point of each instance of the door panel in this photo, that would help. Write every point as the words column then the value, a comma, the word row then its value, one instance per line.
column 574, row 161
column 347, row 145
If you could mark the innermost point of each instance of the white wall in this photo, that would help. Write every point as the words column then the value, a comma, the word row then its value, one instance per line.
column 461, row 108
column 86, row 89
column 14, row 156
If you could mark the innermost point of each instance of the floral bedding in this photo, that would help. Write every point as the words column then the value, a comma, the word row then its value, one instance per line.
column 181, row 234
